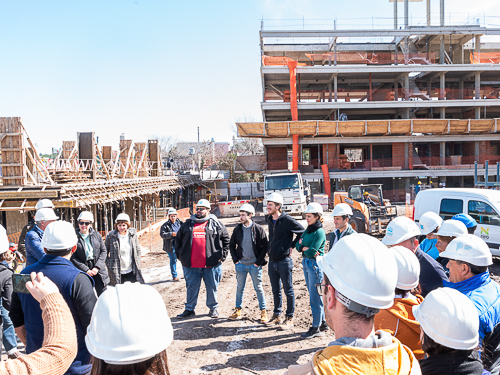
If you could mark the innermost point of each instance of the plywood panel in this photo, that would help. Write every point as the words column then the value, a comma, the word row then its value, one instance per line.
column 430, row 126
column 277, row 129
column 327, row 127
column 303, row 128
column 250, row 129
column 481, row 126
column 458, row 126
column 352, row 128
column 13, row 153
column 401, row 127
column 377, row 127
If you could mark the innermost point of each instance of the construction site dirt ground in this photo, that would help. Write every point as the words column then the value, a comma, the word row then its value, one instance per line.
column 219, row 346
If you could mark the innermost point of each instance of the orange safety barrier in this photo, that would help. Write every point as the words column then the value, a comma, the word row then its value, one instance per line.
column 485, row 57
column 278, row 60
column 14, row 237
column 326, row 179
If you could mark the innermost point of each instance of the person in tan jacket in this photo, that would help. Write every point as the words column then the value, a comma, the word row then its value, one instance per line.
column 360, row 276
column 398, row 320
column 59, row 345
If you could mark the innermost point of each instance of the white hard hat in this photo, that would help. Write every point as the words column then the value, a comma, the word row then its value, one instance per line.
column 275, row 197
column 172, row 211
column 428, row 222
column 59, row 235
column 363, row 270
column 468, row 248
column 44, row 203
column 314, row 208
column 86, row 215
column 130, row 324
column 203, row 203
column 44, row 214
column 399, row 230
column 122, row 217
column 449, row 318
column 408, row 268
column 452, row 228
column 342, row 209
column 247, row 208
column 4, row 240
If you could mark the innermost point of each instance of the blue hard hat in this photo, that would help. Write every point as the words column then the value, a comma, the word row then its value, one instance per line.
column 466, row 219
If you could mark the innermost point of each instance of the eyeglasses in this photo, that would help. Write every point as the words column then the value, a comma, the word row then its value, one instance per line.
column 320, row 288
column 86, row 223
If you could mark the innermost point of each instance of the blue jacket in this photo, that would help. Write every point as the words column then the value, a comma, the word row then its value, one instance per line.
column 429, row 247
column 63, row 273
column 33, row 243
column 485, row 294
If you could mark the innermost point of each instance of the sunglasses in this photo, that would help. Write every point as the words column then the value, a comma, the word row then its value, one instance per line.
column 201, row 208
column 86, row 223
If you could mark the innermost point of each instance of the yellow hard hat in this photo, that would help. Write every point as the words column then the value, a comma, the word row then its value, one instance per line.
column 430, row 182
column 366, row 193
column 419, row 183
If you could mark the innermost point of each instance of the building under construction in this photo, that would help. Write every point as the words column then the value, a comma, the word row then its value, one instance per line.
column 85, row 176
column 421, row 106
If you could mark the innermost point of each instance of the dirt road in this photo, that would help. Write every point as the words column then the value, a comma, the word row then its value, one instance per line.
column 220, row 346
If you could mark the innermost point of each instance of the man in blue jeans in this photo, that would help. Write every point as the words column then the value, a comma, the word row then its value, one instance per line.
column 282, row 228
column 248, row 248
column 168, row 232
column 202, row 244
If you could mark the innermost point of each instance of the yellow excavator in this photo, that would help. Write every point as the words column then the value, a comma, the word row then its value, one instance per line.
column 371, row 212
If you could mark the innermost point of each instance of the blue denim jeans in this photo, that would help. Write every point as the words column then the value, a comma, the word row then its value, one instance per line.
column 314, row 275
column 281, row 272
column 173, row 263
column 241, row 277
column 9, row 334
column 211, row 277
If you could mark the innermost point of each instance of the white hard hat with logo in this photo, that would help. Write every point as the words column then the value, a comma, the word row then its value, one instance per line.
column 130, row 324
column 86, row 215
column 44, row 203
column 470, row 249
column 203, row 203
column 247, row 208
column 452, row 228
column 399, row 230
column 59, row 235
column 429, row 222
column 408, row 268
column 122, row 217
column 172, row 211
column 449, row 318
column 314, row 208
column 275, row 197
column 363, row 271
column 342, row 209
column 45, row 214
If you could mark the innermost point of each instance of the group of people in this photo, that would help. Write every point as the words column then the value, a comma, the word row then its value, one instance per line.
column 396, row 306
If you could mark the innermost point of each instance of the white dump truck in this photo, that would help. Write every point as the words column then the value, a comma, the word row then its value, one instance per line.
column 295, row 191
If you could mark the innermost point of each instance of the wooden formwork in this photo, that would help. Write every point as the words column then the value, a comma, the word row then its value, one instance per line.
column 126, row 154
column 140, row 160
column 154, row 157
column 13, row 152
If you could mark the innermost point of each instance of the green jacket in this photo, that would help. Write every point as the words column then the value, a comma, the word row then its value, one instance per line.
column 315, row 241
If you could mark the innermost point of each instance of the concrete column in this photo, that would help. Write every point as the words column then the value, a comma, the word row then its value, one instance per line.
column 461, row 89
column 407, row 161
column 477, row 47
column 335, row 81
column 441, row 86
column 478, row 113
column 442, row 112
column 407, row 86
column 442, row 153
column 476, row 151
column 477, row 89
column 396, row 87
column 329, row 91
column 441, row 49
column 406, row 14
column 395, row 15
column 428, row 12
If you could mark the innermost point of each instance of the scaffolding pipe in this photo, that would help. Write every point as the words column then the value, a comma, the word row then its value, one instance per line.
column 292, row 66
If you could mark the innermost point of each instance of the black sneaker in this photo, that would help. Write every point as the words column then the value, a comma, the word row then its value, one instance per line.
column 213, row 314
column 185, row 314
column 313, row 332
column 324, row 327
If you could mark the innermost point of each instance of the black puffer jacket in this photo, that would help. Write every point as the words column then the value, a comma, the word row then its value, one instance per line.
column 457, row 362
column 79, row 257
column 217, row 242
column 281, row 239
column 259, row 242
column 166, row 233
column 6, row 288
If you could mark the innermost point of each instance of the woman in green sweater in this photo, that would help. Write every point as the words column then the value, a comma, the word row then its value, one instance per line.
column 312, row 244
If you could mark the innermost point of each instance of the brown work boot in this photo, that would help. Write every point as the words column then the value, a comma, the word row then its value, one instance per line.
column 236, row 314
column 287, row 324
column 275, row 319
column 176, row 279
column 263, row 316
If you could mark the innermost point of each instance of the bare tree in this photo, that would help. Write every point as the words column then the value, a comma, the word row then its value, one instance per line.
column 246, row 146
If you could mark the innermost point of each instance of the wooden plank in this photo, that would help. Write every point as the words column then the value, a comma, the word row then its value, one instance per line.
column 434, row 126
column 400, row 126
column 277, row 129
column 327, row 128
column 377, row 127
column 352, row 128
column 303, row 128
column 481, row 126
column 458, row 126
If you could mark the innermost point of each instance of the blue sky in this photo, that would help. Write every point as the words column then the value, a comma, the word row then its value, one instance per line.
column 158, row 67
